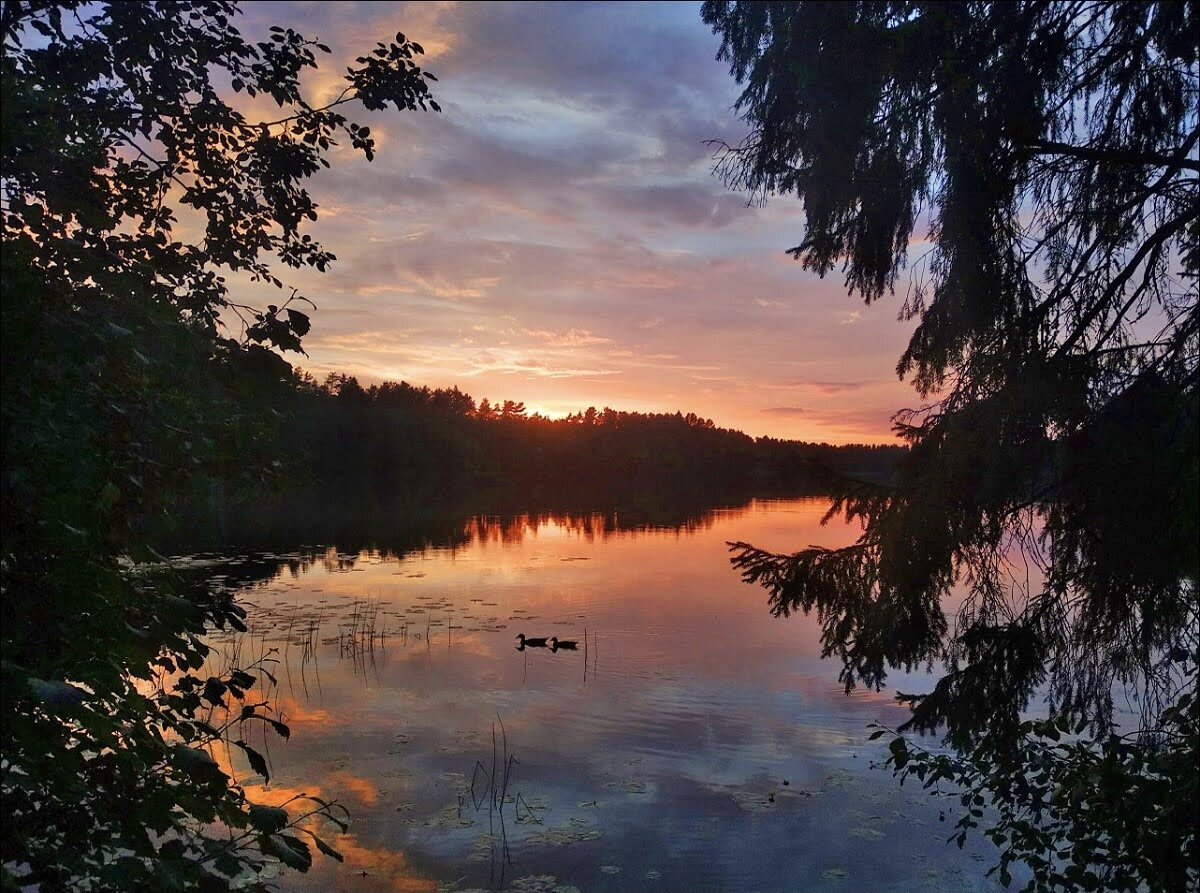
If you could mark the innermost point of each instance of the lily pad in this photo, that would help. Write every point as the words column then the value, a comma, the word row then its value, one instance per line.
column 840, row 778
column 867, row 833
column 629, row 787
column 452, row 817
column 564, row 836
column 534, row 883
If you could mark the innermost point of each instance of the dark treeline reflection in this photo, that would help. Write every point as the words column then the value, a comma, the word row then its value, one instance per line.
column 340, row 530
column 358, row 458
column 409, row 532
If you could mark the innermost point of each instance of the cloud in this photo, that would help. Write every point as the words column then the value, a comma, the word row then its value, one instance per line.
column 557, row 234
column 865, row 423
column 824, row 387
column 597, row 54
column 836, row 387
column 570, row 338
column 684, row 204
column 374, row 341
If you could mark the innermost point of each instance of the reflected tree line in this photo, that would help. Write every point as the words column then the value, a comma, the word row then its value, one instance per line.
column 351, row 456
column 396, row 531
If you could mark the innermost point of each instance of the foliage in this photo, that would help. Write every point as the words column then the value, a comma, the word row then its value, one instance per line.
column 1113, row 813
column 397, row 440
column 130, row 191
column 111, row 784
column 1051, row 490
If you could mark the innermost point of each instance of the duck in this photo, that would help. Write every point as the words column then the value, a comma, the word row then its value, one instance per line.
column 563, row 644
column 525, row 642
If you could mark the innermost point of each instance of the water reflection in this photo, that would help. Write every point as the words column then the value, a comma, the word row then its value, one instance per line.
column 689, row 741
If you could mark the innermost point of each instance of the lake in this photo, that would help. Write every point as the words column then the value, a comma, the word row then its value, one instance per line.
column 690, row 740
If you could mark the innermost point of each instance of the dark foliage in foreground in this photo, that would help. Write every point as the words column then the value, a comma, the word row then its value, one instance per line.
column 123, row 396
column 1053, row 475
column 1094, row 812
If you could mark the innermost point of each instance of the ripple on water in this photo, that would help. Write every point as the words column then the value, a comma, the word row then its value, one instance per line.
column 669, row 731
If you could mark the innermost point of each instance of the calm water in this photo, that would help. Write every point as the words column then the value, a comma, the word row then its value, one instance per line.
column 690, row 742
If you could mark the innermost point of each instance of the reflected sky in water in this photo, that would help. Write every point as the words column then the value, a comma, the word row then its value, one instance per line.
column 690, row 742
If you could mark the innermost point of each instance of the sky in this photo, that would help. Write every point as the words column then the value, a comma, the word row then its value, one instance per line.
column 557, row 235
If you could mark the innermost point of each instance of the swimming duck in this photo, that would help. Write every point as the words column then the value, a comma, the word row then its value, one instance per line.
column 529, row 643
column 564, row 644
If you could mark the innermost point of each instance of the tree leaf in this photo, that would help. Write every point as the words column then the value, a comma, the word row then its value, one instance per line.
column 289, row 850
column 268, row 819
column 257, row 761
column 327, row 849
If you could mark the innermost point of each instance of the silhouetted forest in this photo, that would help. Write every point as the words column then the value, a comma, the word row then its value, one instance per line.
column 342, row 544
column 345, row 452
column 401, row 439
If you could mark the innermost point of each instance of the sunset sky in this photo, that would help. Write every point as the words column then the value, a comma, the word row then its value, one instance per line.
column 556, row 235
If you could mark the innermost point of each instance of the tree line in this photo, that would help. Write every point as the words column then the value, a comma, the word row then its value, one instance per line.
column 403, row 441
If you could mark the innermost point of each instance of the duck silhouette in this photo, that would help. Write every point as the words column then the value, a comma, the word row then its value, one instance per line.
column 557, row 644
column 524, row 642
